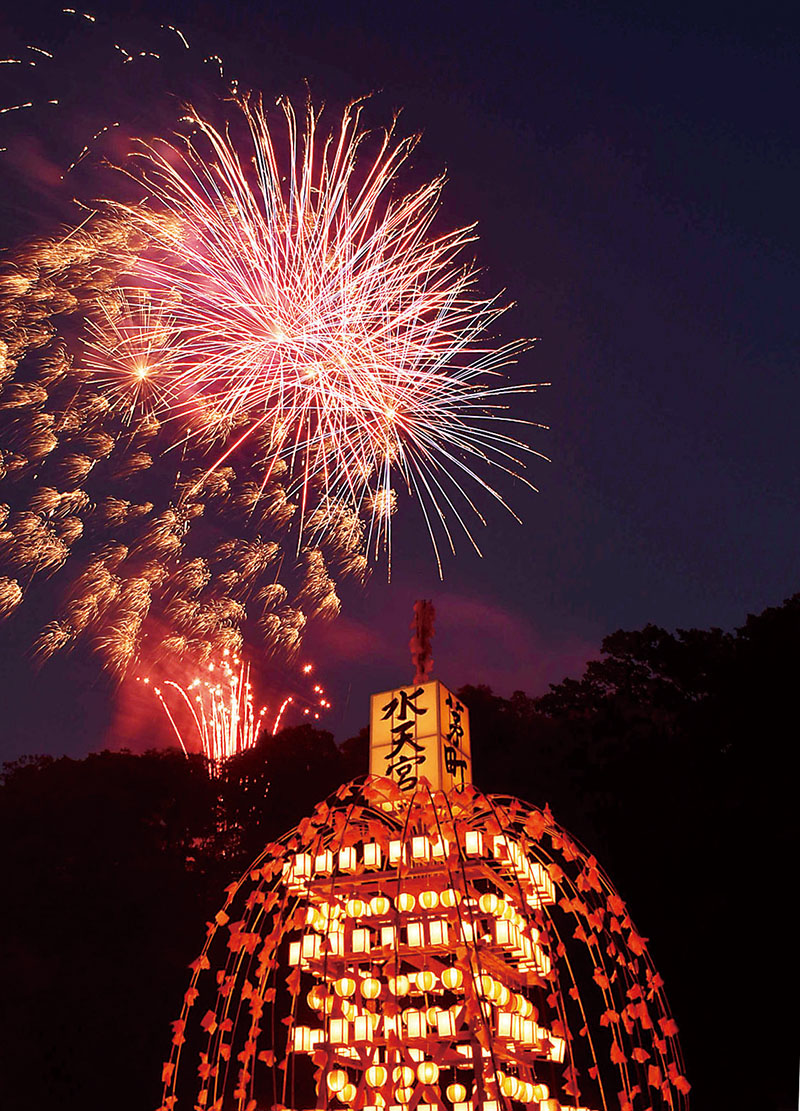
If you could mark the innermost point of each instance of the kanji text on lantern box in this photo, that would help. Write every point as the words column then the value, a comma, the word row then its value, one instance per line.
column 420, row 732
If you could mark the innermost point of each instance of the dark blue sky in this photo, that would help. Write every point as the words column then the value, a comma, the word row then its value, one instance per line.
column 635, row 173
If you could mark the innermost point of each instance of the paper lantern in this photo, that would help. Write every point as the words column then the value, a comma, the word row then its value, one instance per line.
column 348, row 1093
column 405, row 902
column 397, row 852
column 428, row 1072
column 372, row 855
column 301, row 866
column 339, row 1031
column 488, row 903
column 450, row 898
column 456, row 1093
column 426, row 980
column 503, row 932
column 501, row 995
column 301, row 1037
column 486, row 985
column 438, row 932
column 311, row 946
column 509, row 1086
column 361, row 941
column 355, row 907
column 415, row 934
column 347, row 859
column 557, row 1047
column 416, row 1023
column 316, row 997
column 473, row 843
column 376, row 1076
column 452, row 978
column 399, row 985
column 370, row 988
column 336, row 1080
column 428, row 900
column 403, row 1075
column 380, row 905
column 345, row 987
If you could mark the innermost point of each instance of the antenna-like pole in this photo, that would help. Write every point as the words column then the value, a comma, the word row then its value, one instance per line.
column 420, row 643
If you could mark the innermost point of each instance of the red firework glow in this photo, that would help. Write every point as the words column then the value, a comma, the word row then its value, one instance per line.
column 221, row 715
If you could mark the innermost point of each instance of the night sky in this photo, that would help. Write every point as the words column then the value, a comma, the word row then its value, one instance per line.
column 634, row 173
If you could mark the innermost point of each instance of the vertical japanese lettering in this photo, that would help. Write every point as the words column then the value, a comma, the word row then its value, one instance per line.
column 405, row 756
column 454, row 762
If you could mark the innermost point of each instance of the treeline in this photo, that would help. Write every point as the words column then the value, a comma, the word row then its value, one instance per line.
column 670, row 757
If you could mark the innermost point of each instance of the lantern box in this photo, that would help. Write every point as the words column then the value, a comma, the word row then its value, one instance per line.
column 420, row 732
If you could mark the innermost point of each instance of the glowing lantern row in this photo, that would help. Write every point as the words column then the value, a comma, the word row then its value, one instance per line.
column 323, row 917
column 377, row 1076
column 423, row 849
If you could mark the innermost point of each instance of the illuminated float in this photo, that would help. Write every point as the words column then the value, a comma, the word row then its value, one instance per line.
column 415, row 945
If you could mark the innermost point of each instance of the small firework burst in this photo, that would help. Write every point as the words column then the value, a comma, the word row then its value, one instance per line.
column 215, row 710
column 131, row 354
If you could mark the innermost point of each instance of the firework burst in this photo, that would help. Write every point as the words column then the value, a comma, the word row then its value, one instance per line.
column 320, row 314
column 213, row 401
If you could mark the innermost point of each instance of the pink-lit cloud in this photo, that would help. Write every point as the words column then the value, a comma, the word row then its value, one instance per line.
column 475, row 642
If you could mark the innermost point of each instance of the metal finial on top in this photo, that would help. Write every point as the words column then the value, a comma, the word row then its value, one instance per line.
column 421, row 642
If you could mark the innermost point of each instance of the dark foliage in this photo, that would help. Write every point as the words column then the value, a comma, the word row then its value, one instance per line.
column 670, row 757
